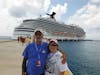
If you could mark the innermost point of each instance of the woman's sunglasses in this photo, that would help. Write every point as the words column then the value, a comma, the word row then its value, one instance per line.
column 53, row 45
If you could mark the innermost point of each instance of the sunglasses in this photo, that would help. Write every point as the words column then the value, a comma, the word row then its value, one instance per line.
column 53, row 45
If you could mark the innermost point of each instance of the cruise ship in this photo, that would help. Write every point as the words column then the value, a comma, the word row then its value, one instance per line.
column 50, row 28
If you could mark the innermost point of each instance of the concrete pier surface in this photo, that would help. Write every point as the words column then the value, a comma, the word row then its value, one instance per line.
column 10, row 57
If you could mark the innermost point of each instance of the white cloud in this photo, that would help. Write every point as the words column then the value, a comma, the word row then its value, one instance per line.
column 2, row 4
column 20, row 8
column 88, row 17
column 46, row 5
column 60, row 10
column 95, row 1
column 25, row 7
column 7, row 23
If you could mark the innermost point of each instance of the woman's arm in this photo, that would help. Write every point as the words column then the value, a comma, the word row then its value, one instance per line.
column 24, row 66
column 64, row 56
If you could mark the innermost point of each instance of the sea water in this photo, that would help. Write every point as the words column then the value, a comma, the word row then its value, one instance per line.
column 83, row 57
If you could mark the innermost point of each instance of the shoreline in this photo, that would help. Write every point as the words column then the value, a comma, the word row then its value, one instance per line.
column 14, row 40
column 4, row 41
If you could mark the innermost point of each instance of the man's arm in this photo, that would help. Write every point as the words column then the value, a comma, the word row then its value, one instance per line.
column 24, row 66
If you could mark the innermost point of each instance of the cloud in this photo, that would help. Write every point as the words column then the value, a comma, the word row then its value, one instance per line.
column 46, row 5
column 88, row 17
column 17, row 11
column 25, row 8
column 95, row 1
column 7, row 23
column 2, row 4
column 60, row 10
column 31, row 7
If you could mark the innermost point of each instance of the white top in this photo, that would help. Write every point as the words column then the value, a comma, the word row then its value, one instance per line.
column 54, row 64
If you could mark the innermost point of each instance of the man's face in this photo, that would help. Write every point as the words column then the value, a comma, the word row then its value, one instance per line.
column 39, row 36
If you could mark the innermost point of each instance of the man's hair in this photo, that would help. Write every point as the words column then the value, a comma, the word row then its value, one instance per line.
column 38, row 32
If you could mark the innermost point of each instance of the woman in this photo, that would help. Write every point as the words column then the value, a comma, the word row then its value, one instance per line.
column 54, row 64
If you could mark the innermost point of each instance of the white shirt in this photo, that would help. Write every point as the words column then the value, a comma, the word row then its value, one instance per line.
column 55, row 66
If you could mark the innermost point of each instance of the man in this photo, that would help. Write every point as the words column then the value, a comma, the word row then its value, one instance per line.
column 35, row 55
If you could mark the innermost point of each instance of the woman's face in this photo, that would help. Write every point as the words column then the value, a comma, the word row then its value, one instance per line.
column 53, row 47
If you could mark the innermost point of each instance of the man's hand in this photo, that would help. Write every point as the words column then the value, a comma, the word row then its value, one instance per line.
column 23, row 73
column 64, row 58
column 24, row 66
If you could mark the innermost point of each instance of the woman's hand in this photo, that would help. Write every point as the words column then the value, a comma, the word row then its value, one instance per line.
column 62, row 73
column 64, row 58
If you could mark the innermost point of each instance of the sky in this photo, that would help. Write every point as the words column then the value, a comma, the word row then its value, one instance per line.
column 83, row 13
